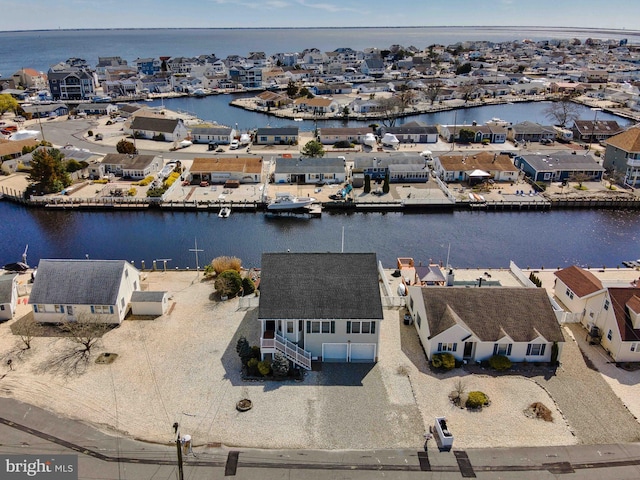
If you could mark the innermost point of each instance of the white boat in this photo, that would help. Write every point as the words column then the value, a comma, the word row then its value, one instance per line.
column 224, row 212
column 370, row 140
column 498, row 122
column 285, row 201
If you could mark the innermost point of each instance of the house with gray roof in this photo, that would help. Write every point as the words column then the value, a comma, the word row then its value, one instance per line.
column 400, row 167
column 473, row 324
column 83, row 290
column 558, row 166
column 131, row 166
column 220, row 135
column 158, row 128
column 531, row 132
column 8, row 295
column 412, row 132
column 320, row 306
column 276, row 136
column 309, row 170
column 332, row 135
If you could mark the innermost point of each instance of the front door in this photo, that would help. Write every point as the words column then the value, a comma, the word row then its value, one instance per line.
column 468, row 350
column 70, row 310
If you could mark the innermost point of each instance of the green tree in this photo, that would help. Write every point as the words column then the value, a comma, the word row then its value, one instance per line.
column 124, row 146
column 228, row 283
column 248, row 287
column 466, row 135
column 464, row 68
column 48, row 172
column 243, row 350
column 367, row 183
column 280, row 365
column 345, row 111
column 7, row 103
column 313, row 149
column 292, row 89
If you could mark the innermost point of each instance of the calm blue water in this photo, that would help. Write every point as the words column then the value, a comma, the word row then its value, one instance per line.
column 41, row 49
column 478, row 239
column 216, row 108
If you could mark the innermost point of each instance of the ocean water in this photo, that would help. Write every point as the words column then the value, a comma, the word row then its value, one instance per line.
column 42, row 48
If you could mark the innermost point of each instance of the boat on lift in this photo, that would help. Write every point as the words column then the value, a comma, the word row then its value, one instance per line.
column 287, row 202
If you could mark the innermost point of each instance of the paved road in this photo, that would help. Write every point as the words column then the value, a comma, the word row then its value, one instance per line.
column 28, row 430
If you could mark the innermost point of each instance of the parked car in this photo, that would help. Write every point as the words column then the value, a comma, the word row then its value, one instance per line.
column 235, row 144
column 99, row 136
column 204, row 184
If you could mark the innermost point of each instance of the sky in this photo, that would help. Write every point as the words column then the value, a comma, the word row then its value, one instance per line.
column 74, row 14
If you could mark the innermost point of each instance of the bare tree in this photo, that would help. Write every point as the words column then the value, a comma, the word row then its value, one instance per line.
column 86, row 334
column 579, row 178
column 26, row 329
column 562, row 111
column 405, row 97
column 614, row 177
column 468, row 91
column 433, row 90
column 389, row 107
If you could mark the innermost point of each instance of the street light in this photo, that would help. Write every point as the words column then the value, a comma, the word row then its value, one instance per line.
column 593, row 127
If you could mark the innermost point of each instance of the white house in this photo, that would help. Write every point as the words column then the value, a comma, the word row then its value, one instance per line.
column 475, row 324
column 165, row 129
column 8, row 296
column 96, row 291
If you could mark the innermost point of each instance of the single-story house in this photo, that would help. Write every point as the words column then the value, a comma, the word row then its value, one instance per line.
column 622, row 154
column 269, row 99
column 149, row 303
column 332, row 311
column 219, row 135
column 558, row 166
column 97, row 108
column 613, row 311
column 167, row 129
column 531, row 132
column 458, row 168
column 407, row 167
column 276, row 136
column 412, row 132
column 10, row 150
column 315, row 105
column 309, row 170
column 96, row 291
column 220, row 170
column 492, row 133
column 595, row 131
column 46, row 110
column 8, row 295
column 131, row 166
column 330, row 136
column 475, row 324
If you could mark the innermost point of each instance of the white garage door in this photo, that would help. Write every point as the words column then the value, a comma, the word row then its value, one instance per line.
column 334, row 352
column 363, row 352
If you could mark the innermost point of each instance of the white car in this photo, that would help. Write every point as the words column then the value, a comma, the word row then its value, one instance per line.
column 234, row 145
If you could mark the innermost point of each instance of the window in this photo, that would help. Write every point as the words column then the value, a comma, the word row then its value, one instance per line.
column 2, row 308
column 361, row 327
column 321, row 327
column 418, row 320
column 122, row 302
column 315, row 327
column 447, row 347
column 59, row 308
column 606, row 304
column 101, row 309
column 569, row 293
column 609, row 334
column 289, row 327
column 635, row 347
column 502, row 349
column 536, row 349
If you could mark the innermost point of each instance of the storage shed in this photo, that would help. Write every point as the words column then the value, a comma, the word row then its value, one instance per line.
column 149, row 303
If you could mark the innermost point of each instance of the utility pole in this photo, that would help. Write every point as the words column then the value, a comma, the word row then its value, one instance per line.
column 176, row 429
column 593, row 127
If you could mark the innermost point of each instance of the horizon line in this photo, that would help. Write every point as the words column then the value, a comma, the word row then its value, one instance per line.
column 503, row 27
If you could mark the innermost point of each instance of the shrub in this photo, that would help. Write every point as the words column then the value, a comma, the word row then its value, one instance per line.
column 264, row 367
column 280, row 365
column 228, row 283
column 445, row 361
column 248, row 287
column 342, row 144
column 243, row 350
column 500, row 362
column 125, row 147
column 252, row 366
column 90, row 133
column 101, row 181
column 220, row 264
column 158, row 138
column 155, row 192
column 255, row 352
column 73, row 165
column 540, row 410
column 132, row 192
column 476, row 400
column 145, row 181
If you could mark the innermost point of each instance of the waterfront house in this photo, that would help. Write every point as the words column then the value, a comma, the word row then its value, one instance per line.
column 97, row 291
column 331, row 136
column 332, row 309
column 276, row 136
column 213, row 134
column 46, row 110
column 374, row 67
column 309, row 170
column 475, row 324
column 614, row 311
column 412, row 132
column 148, row 66
column 400, row 168
column 461, row 167
column 622, row 154
column 97, row 108
column 157, row 128
column 8, row 295
column 315, row 105
column 221, row 170
column 247, row 76
column 135, row 167
column 490, row 133
column 30, row 78
column 531, row 132
column 558, row 166
column 595, row 131
column 67, row 82
column 270, row 99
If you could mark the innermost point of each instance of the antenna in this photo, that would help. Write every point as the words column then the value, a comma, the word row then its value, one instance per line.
column 342, row 249
column 196, row 250
column 448, row 252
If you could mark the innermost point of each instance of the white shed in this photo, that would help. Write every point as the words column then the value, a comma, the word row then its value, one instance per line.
column 149, row 303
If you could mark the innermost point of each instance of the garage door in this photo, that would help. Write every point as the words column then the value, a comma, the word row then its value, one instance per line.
column 363, row 352
column 334, row 352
